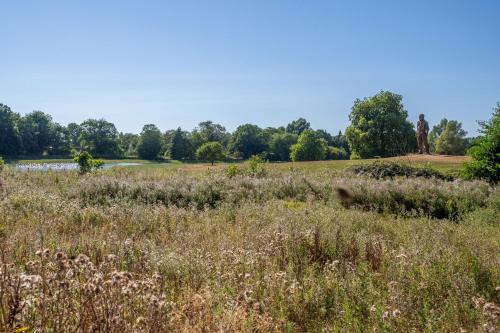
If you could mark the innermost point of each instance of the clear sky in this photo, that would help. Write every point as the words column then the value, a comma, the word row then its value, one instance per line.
column 176, row 63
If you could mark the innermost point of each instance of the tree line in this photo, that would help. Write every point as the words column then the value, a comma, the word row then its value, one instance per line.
column 379, row 127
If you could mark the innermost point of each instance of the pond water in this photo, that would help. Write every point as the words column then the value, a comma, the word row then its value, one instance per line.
column 65, row 166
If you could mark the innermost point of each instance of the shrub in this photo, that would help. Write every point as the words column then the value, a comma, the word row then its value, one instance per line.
column 86, row 163
column 485, row 152
column 256, row 166
column 232, row 171
column 2, row 163
column 381, row 170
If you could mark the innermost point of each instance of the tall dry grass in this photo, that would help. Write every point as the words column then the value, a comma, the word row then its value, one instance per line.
column 146, row 251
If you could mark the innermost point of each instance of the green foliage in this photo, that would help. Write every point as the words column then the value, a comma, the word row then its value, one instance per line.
column 298, row 126
column 247, row 140
column 210, row 131
column 100, row 138
column 256, row 166
column 2, row 163
column 336, row 153
column 323, row 134
column 180, row 145
column 10, row 142
column 280, row 145
column 485, row 152
column 308, row 147
column 448, row 138
column 379, row 127
column 435, row 133
column 232, row 171
column 340, row 141
column 86, row 163
column 150, row 142
column 210, row 151
column 382, row 170
column 35, row 130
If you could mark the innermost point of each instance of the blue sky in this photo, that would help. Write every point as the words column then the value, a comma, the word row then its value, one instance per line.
column 176, row 63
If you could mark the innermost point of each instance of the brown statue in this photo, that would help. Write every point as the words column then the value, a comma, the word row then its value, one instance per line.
column 422, row 131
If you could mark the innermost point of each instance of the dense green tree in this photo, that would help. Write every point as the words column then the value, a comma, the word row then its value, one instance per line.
column 280, row 145
column 298, row 126
column 340, row 141
column 10, row 141
column 100, row 138
column 129, row 142
column 60, row 141
column 180, row 145
column 36, row 129
column 435, row 133
column 150, row 142
column 309, row 147
column 451, row 141
column 208, row 131
column 321, row 133
column 74, row 131
column 211, row 131
column 210, row 151
column 379, row 127
column 336, row 153
column 485, row 151
column 247, row 140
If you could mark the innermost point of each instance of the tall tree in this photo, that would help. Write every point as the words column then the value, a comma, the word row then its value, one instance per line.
column 247, row 140
column 60, row 140
column 340, row 141
column 451, row 141
column 379, row 127
column 74, row 131
column 321, row 133
column 150, row 142
column 280, row 145
column 10, row 141
column 36, row 129
column 298, row 126
column 435, row 133
column 211, row 131
column 100, row 138
column 180, row 146
column 309, row 147
column 129, row 143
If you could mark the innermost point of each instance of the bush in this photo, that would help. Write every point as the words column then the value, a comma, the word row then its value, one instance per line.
column 382, row 170
column 86, row 163
column 2, row 163
column 256, row 166
column 232, row 171
column 485, row 152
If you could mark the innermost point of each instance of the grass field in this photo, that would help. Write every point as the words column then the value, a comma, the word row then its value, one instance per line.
column 440, row 162
column 292, row 247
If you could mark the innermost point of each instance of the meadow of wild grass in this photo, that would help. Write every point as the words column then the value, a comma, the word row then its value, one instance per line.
column 267, row 249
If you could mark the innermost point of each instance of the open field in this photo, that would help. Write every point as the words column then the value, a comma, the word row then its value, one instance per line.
column 440, row 162
column 190, row 248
